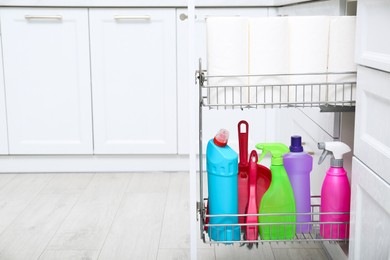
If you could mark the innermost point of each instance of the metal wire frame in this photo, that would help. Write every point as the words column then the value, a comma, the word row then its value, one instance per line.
column 345, row 104
column 335, row 96
column 313, row 236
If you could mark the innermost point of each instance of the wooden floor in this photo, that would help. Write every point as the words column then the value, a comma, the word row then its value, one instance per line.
column 111, row 216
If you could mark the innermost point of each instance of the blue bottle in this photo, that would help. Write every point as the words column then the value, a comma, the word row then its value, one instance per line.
column 222, row 173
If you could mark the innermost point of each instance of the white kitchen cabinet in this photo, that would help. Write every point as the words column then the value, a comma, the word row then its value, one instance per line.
column 47, row 80
column 370, row 214
column 3, row 116
column 372, row 34
column 370, row 207
column 133, row 61
column 372, row 139
column 213, row 119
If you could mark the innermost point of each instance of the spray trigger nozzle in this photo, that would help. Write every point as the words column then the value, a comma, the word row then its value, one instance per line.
column 336, row 150
column 277, row 151
column 323, row 156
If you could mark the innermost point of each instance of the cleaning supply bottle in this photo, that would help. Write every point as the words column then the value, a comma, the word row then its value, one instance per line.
column 298, row 165
column 279, row 198
column 222, row 170
column 335, row 193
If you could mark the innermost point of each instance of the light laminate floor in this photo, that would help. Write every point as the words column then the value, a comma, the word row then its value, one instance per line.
column 111, row 216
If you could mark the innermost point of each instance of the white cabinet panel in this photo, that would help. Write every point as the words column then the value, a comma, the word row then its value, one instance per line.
column 3, row 116
column 293, row 121
column 47, row 80
column 133, row 57
column 213, row 120
column 325, row 120
column 372, row 138
column 372, row 35
column 370, row 215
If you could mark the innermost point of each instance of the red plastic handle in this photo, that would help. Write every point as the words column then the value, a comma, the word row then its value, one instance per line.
column 243, row 142
column 252, row 231
column 253, row 169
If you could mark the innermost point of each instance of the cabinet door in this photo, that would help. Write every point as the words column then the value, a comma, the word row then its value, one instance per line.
column 47, row 80
column 372, row 34
column 3, row 117
column 213, row 120
column 134, row 80
column 370, row 215
column 372, row 138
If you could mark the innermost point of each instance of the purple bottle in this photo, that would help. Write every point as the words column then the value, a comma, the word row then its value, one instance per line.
column 298, row 165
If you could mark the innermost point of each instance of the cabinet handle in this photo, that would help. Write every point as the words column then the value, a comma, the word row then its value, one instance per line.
column 132, row 17
column 183, row 17
column 43, row 17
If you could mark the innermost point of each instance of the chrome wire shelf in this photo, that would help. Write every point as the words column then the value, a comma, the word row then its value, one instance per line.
column 338, row 231
column 332, row 91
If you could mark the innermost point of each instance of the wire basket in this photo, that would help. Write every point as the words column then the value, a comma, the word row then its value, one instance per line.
column 317, row 231
column 331, row 91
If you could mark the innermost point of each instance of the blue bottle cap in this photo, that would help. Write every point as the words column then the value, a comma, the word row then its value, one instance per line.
column 296, row 144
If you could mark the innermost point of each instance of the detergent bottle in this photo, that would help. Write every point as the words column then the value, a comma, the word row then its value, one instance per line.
column 298, row 165
column 222, row 171
column 279, row 198
column 335, row 193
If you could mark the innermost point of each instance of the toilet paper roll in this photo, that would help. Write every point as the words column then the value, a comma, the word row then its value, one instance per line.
column 308, row 54
column 227, row 54
column 341, row 58
column 269, row 54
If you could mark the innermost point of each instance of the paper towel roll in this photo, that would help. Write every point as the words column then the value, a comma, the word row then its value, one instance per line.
column 227, row 54
column 308, row 54
column 341, row 57
column 268, row 54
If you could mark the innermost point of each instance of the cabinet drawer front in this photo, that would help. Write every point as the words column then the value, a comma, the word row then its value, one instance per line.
column 370, row 214
column 134, row 80
column 372, row 35
column 47, row 80
column 372, row 126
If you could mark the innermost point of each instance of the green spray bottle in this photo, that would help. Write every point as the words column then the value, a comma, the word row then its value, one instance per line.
column 278, row 199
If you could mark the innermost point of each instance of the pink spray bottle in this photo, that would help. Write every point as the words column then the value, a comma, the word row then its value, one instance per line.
column 335, row 193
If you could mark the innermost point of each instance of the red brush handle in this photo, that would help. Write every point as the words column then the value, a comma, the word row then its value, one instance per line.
column 252, row 231
column 253, row 171
column 243, row 142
